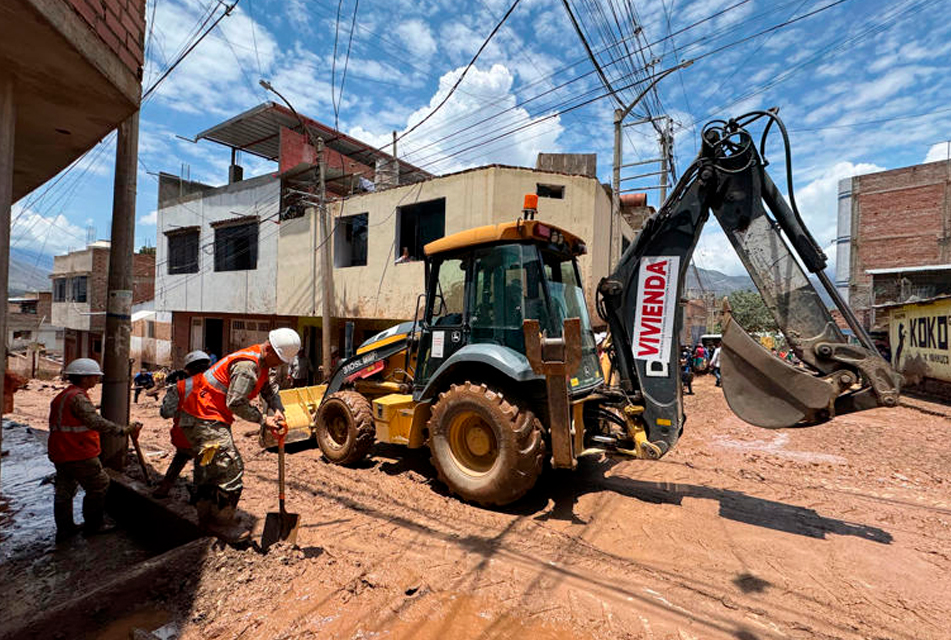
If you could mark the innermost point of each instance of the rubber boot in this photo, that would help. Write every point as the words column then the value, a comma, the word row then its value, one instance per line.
column 221, row 523
column 171, row 475
column 63, row 516
column 94, row 514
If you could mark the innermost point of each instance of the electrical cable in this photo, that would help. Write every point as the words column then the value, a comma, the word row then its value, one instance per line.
column 462, row 76
column 346, row 63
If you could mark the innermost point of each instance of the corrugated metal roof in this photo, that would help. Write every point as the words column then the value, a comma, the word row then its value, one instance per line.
column 257, row 131
column 929, row 267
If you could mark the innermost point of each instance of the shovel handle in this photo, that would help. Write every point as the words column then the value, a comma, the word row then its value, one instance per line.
column 280, row 467
column 138, row 454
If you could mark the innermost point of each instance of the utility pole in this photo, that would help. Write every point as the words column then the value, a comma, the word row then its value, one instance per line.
column 664, row 159
column 118, row 334
column 7, row 134
column 615, row 188
column 619, row 115
column 327, row 269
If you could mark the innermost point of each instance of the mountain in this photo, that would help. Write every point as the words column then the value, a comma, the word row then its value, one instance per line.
column 29, row 271
column 722, row 284
column 717, row 282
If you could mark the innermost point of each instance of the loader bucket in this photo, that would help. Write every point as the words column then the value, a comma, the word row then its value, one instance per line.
column 766, row 391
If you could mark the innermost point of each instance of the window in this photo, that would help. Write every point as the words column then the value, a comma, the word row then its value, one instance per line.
column 79, row 288
column 236, row 247
column 449, row 299
column 417, row 225
column 183, row 251
column 350, row 241
column 59, row 290
column 149, row 329
column 556, row 191
column 22, row 335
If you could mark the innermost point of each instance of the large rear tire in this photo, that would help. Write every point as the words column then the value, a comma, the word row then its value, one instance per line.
column 345, row 429
column 485, row 448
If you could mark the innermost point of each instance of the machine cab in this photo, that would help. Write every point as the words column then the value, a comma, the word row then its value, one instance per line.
column 483, row 283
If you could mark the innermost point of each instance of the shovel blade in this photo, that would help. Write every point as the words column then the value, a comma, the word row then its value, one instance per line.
column 280, row 527
column 767, row 392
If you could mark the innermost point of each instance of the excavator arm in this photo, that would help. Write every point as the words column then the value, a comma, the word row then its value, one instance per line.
column 640, row 302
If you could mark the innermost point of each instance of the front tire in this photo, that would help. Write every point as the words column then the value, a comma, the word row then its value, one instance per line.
column 345, row 429
column 485, row 448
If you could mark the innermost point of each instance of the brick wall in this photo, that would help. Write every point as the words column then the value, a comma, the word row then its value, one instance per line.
column 900, row 218
column 143, row 277
column 120, row 24
column 97, row 288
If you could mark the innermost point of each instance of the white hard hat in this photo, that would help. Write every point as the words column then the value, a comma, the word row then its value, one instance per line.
column 195, row 356
column 285, row 342
column 83, row 367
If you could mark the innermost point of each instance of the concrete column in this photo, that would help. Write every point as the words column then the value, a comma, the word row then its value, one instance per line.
column 118, row 334
column 7, row 135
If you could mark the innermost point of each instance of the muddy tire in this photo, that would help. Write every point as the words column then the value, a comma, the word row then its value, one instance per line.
column 485, row 448
column 345, row 429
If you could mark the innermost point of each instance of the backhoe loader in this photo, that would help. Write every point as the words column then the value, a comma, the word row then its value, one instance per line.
column 501, row 372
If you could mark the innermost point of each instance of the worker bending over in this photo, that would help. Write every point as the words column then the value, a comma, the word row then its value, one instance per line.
column 74, row 450
column 180, row 386
column 206, row 416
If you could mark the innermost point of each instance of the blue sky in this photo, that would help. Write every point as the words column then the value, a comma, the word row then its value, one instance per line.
column 861, row 61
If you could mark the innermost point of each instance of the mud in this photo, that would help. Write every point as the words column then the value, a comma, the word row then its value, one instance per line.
column 839, row 531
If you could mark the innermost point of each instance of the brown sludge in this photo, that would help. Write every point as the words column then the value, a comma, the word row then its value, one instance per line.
column 841, row 531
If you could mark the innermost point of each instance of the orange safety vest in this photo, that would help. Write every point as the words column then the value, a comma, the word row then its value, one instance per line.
column 178, row 436
column 209, row 399
column 70, row 439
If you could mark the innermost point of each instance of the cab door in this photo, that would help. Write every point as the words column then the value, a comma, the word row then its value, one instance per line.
column 444, row 328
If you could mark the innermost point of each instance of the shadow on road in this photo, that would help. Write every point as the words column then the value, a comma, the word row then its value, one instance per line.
column 566, row 488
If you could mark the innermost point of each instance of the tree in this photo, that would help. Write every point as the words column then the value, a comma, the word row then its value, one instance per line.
column 147, row 251
column 750, row 311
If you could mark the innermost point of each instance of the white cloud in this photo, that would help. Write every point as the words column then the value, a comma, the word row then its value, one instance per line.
column 818, row 204
column 481, row 94
column 818, row 200
column 53, row 234
column 938, row 152
column 149, row 219
column 220, row 75
column 417, row 37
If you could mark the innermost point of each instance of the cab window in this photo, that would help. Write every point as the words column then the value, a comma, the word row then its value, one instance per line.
column 448, row 302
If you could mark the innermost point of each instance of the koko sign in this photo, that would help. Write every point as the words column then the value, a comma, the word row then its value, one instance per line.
column 919, row 338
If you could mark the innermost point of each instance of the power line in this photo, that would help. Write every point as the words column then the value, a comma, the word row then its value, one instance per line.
column 462, row 76
column 587, row 48
column 165, row 74
column 346, row 63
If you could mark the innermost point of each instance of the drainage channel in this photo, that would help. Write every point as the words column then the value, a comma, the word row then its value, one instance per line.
column 88, row 587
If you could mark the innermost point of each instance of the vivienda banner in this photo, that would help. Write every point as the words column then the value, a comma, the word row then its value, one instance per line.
column 655, row 311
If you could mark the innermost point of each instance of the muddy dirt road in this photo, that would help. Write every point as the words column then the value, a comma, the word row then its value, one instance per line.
column 840, row 531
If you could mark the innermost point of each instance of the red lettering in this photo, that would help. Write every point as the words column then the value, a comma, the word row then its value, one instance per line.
column 647, row 350
column 649, row 329
column 653, row 310
column 656, row 297
column 655, row 282
column 658, row 267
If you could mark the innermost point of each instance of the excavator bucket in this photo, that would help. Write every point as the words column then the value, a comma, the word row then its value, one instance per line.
column 766, row 391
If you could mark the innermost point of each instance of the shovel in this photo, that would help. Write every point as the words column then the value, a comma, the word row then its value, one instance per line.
column 138, row 454
column 282, row 525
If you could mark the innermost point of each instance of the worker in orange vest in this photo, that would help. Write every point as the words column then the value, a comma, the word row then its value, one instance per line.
column 180, row 386
column 222, row 392
column 74, row 450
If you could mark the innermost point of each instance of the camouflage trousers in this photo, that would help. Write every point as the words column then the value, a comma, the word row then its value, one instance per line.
column 89, row 475
column 218, row 465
